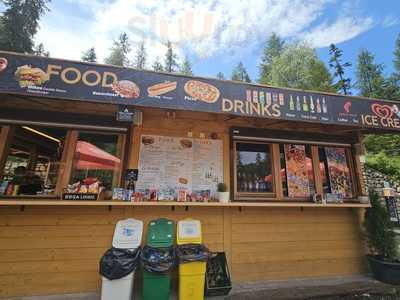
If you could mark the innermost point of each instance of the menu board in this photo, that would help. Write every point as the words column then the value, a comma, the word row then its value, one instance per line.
column 296, row 171
column 339, row 173
column 168, row 165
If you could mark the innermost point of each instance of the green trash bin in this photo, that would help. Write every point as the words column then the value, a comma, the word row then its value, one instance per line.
column 160, row 235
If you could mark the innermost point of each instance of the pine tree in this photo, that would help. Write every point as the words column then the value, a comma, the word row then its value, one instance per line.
column 239, row 73
column 140, row 57
column 157, row 66
column 273, row 48
column 335, row 62
column 119, row 51
column 186, row 67
column 396, row 60
column 220, row 76
column 370, row 80
column 89, row 55
column 170, row 59
column 19, row 23
column 40, row 51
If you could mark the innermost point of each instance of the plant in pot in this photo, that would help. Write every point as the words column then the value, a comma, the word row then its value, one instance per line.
column 223, row 194
column 381, row 242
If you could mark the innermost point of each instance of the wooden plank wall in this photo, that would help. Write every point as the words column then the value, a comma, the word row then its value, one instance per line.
column 48, row 250
column 55, row 250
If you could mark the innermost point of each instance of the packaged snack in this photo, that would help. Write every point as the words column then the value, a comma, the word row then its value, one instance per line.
column 182, row 194
column 3, row 187
column 118, row 194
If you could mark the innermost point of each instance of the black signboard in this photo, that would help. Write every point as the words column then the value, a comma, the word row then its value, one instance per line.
column 132, row 174
column 80, row 197
column 391, row 204
column 125, row 114
column 61, row 79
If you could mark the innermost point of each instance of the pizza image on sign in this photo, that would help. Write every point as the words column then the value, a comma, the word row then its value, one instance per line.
column 201, row 91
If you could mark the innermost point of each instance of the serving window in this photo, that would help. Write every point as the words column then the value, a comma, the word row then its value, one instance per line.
column 48, row 161
column 253, row 170
column 299, row 172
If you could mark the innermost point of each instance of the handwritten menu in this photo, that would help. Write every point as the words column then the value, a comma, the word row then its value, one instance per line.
column 170, row 164
column 296, row 168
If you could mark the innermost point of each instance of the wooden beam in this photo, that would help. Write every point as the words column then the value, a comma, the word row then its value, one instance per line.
column 133, row 161
column 6, row 135
column 316, row 170
column 276, row 171
column 117, row 176
column 67, row 160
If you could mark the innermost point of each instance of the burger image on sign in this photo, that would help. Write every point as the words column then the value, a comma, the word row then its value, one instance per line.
column 28, row 76
column 126, row 89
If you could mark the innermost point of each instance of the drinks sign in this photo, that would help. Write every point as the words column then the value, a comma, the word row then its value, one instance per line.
column 61, row 79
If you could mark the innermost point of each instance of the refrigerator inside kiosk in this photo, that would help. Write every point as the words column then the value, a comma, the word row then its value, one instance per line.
column 128, row 237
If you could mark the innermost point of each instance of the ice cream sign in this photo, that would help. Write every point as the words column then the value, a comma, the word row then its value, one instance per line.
column 382, row 115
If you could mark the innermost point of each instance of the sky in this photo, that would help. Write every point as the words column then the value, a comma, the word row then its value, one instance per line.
column 216, row 34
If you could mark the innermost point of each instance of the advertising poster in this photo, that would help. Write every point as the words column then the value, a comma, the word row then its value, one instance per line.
column 339, row 173
column 296, row 171
column 169, row 165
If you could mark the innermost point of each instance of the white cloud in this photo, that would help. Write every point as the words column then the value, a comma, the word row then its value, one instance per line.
column 390, row 21
column 202, row 27
column 339, row 31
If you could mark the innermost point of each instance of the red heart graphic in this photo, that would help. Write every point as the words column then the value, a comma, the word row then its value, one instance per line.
column 382, row 111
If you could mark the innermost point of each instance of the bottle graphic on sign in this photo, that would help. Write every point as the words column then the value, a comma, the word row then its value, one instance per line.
column 248, row 95
column 312, row 107
column 255, row 96
column 318, row 106
column 298, row 106
column 305, row 104
column 281, row 99
column 324, row 107
column 275, row 98
column 268, row 98
column 291, row 103
column 262, row 97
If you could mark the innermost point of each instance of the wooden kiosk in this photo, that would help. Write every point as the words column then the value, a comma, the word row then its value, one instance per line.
column 292, row 160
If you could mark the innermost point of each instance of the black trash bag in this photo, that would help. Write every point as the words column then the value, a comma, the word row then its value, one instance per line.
column 192, row 252
column 158, row 260
column 117, row 263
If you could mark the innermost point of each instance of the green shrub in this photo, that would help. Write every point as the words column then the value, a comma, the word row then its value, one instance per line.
column 378, row 230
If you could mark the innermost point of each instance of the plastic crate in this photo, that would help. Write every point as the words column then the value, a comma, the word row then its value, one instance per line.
column 218, row 280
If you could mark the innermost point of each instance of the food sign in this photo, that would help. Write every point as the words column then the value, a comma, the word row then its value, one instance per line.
column 61, row 79
column 296, row 171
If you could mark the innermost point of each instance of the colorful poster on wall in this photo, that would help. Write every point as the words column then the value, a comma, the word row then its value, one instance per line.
column 339, row 173
column 296, row 170
column 169, row 165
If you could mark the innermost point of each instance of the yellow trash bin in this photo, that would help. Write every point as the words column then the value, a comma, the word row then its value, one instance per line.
column 192, row 274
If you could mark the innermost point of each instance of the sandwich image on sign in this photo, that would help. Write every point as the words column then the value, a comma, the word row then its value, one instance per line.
column 28, row 76
column 161, row 88
column 126, row 89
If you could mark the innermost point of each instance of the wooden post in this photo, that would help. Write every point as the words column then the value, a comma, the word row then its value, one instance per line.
column 134, row 147
column 120, row 154
column 319, row 189
column 67, row 161
column 6, row 135
column 359, row 150
column 276, row 170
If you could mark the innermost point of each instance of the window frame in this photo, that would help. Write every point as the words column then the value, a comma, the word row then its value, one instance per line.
column 275, row 143
column 66, row 161
column 253, row 195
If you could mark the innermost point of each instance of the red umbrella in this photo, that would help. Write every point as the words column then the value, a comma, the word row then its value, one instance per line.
column 88, row 156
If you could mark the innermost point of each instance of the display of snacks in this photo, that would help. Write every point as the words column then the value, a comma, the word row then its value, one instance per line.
column 88, row 189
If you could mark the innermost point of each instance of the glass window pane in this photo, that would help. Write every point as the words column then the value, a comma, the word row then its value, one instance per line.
column 323, row 167
column 33, row 161
column 297, row 171
column 339, row 171
column 253, row 167
column 97, row 162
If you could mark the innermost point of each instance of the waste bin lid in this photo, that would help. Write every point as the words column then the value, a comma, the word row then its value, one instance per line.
column 161, row 233
column 189, row 232
column 128, row 234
